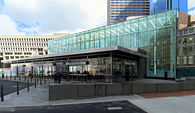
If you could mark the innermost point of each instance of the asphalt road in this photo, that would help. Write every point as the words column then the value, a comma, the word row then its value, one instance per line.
column 11, row 86
column 104, row 107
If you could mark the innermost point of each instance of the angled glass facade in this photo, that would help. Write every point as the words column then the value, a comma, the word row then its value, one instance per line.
column 155, row 34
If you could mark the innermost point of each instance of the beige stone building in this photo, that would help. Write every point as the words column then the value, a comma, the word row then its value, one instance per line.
column 21, row 46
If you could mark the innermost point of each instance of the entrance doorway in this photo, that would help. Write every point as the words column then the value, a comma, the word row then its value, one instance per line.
column 130, row 71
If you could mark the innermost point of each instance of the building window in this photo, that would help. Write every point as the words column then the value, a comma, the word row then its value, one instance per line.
column 190, row 49
column 184, row 60
column 190, row 40
column 186, row 31
column 179, row 41
column 178, row 60
column 191, row 30
column 190, row 60
column 185, row 50
column 7, row 57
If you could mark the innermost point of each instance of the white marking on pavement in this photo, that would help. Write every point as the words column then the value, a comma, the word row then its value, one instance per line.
column 114, row 108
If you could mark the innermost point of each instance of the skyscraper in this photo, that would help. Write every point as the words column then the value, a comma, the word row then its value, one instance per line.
column 119, row 10
column 163, row 5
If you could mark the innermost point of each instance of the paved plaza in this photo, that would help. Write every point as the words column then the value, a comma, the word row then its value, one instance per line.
column 37, row 99
column 11, row 86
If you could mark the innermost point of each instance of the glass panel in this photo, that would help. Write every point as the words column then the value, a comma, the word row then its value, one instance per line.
column 134, row 26
column 142, row 24
column 151, row 22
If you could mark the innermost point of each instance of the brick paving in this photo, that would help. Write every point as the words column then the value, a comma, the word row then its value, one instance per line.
column 168, row 94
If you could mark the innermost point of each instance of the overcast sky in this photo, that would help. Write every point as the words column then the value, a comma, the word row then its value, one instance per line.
column 33, row 17
column 48, row 16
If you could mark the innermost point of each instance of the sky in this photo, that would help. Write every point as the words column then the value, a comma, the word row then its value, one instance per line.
column 34, row 17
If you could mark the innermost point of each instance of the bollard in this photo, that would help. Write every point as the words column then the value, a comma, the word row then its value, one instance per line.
column 2, row 96
column 28, row 85
column 31, row 79
column 25, row 78
column 131, row 87
column 40, row 81
column 45, row 81
column 35, row 83
column 17, row 88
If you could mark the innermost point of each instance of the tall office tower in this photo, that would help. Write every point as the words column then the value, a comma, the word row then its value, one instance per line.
column 163, row 5
column 119, row 10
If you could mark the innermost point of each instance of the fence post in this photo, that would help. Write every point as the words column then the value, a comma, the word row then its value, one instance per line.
column 40, row 80
column 17, row 88
column 35, row 83
column 31, row 77
column 28, row 85
column 25, row 78
column 44, row 80
column 2, row 96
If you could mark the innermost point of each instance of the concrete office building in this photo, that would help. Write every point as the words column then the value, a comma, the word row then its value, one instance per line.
column 21, row 46
column 186, row 52
column 142, row 47
column 119, row 10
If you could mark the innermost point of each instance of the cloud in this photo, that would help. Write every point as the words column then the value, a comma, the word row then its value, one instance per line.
column 191, row 4
column 96, row 9
column 55, row 15
column 8, row 26
column 28, row 30
column 192, row 12
column 153, row 1
column 191, row 7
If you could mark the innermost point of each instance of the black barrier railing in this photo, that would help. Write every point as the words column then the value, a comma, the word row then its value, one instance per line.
column 2, row 94
column 20, row 80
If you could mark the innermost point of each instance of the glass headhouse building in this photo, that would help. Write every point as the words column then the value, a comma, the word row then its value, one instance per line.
column 143, row 47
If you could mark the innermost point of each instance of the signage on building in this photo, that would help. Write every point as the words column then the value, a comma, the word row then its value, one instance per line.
column 76, row 63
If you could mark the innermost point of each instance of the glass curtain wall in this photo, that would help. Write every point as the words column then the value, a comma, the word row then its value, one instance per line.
column 156, row 34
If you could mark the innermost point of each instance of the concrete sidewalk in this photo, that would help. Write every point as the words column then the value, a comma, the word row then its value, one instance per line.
column 183, row 104
column 39, row 97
